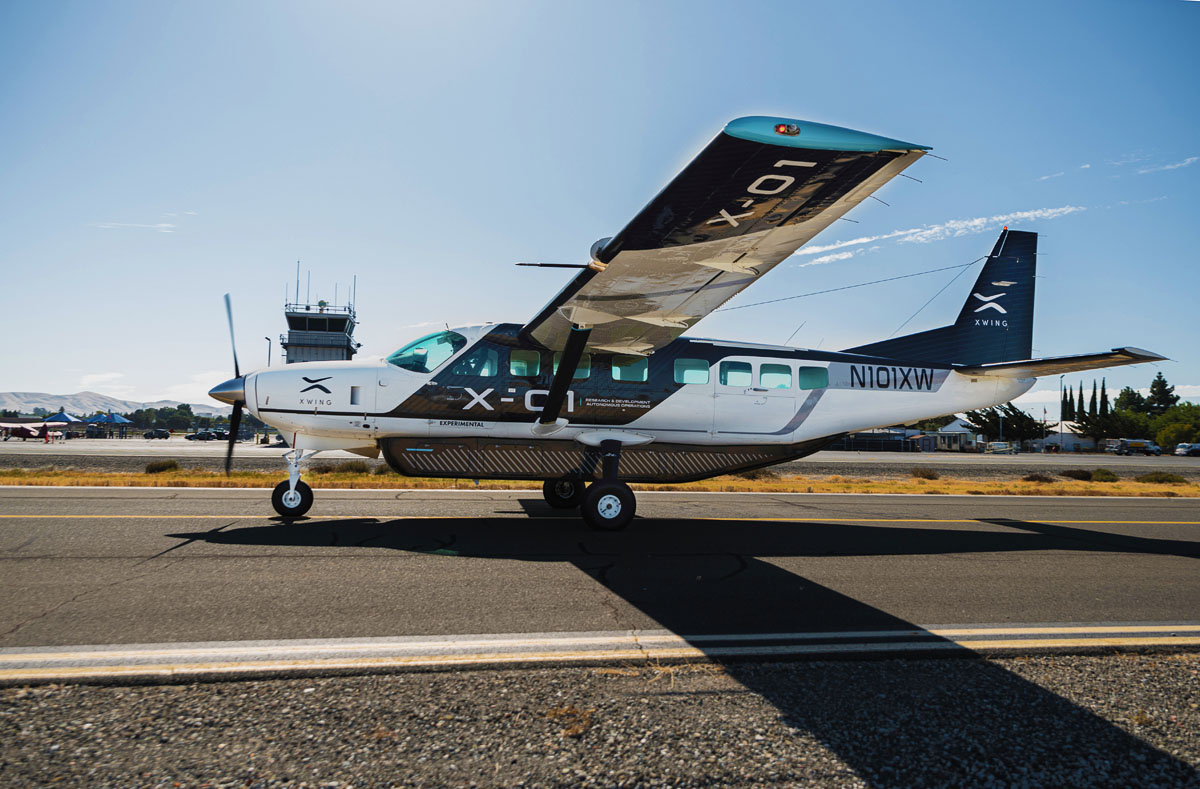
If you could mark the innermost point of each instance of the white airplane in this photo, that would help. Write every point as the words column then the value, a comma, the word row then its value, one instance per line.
column 599, row 389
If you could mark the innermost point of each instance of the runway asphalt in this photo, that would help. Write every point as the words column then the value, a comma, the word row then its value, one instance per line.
column 92, row 566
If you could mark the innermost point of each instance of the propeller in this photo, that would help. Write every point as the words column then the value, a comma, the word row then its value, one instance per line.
column 235, row 418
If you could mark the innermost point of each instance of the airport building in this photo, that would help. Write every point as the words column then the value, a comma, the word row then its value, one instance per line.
column 319, row 332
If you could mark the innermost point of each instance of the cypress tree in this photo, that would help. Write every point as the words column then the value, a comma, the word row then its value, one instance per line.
column 1062, row 407
column 1103, row 398
column 1080, row 404
column 1092, row 409
column 1069, row 414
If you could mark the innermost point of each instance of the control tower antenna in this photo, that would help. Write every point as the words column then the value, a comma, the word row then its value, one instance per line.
column 297, row 282
column 354, row 293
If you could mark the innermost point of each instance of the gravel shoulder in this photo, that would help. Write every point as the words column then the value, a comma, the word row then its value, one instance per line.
column 1059, row 720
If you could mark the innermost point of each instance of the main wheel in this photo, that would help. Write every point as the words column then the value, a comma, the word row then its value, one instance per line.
column 292, row 504
column 608, row 506
column 563, row 494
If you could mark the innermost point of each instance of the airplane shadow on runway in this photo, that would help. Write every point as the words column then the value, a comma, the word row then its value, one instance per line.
column 894, row 722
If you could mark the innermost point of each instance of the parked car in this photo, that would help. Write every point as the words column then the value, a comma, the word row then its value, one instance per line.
column 1000, row 448
column 157, row 432
column 1188, row 450
column 203, row 435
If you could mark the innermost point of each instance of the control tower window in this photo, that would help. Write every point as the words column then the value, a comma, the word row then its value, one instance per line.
column 427, row 353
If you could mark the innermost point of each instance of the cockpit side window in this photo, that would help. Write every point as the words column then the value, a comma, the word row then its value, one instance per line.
column 426, row 354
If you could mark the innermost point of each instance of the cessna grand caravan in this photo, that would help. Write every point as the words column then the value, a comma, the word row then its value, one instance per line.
column 599, row 389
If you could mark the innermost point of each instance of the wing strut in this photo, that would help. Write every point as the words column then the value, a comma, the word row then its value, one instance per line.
column 549, row 423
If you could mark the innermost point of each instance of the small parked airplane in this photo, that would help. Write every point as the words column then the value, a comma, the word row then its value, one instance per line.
column 599, row 389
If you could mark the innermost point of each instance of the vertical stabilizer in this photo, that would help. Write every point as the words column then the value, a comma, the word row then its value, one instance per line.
column 996, row 322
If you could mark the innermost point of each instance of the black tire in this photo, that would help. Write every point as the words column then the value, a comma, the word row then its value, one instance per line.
column 565, row 493
column 608, row 506
column 305, row 503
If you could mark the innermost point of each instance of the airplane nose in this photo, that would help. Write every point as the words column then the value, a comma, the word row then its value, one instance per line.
column 231, row 391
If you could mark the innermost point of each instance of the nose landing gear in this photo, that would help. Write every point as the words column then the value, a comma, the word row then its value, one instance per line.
column 292, row 498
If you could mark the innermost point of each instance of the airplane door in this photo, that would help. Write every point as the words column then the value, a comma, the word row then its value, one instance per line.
column 753, row 398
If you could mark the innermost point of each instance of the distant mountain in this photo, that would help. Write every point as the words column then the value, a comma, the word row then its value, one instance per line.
column 87, row 403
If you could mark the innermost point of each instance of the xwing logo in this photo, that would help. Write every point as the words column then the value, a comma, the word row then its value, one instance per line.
column 316, row 384
column 990, row 303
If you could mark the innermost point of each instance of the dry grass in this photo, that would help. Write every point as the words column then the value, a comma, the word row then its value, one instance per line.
column 188, row 478
column 575, row 720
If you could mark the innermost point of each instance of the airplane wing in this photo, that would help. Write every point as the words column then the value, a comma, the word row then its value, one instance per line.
column 754, row 195
column 1059, row 365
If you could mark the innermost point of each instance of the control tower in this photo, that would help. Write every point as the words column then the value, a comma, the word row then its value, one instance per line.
column 319, row 332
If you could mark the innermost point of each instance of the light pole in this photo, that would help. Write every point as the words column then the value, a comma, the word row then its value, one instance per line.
column 268, row 339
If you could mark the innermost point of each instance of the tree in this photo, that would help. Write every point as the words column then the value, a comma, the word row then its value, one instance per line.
column 8, row 412
column 1093, row 409
column 1080, row 407
column 1115, row 424
column 1069, row 414
column 1103, row 398
column 1174, row 434
column 1017, row 426
column 1129, row 399
column 1161, row 397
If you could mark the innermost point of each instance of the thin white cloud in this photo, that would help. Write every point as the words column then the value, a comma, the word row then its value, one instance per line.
column 950, row 229
column 830, row 258
column 106, row 383
column 1085, row 167
column 1141, row 202
column 1185, row 163
column 161, row 227
column 1129, row 158
column 965, row 227
column 1052, row 175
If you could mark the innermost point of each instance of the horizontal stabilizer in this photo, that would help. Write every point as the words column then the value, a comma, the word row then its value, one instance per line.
column 1058, row 365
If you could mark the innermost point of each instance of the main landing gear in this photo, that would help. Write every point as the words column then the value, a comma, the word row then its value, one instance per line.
column 607, row 504
column 292, row 498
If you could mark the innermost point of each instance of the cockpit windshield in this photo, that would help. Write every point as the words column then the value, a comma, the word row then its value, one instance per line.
column 427, row 353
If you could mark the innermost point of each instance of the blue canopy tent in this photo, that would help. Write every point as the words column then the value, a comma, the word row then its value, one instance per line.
column 63, row 416
column 113, row 421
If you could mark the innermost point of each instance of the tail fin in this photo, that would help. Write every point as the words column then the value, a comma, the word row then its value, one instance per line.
column 996, row 323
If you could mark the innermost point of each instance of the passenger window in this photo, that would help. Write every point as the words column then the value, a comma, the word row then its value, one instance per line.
column 483, row 362
column 582, row 370
column 524, row 364
column 812, row 377
column 630, row 368
column 775, row 376
column 691, row 371
column 736, row 374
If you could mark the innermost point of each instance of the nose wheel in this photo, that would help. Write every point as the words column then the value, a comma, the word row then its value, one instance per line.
column 292, row 498
column 292, row 503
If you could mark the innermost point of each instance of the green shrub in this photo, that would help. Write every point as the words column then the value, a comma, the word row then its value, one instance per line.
column 1164, row 477
column 159, row 466
column 1037, row 476
column 924, row 473
column 382, row 469
column 1104, row 475
column 322, row 468
column 1083, row 475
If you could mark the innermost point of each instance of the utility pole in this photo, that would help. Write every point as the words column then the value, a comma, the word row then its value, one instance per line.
column 1060, row 411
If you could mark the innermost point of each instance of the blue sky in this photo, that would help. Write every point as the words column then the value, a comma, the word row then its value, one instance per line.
column 155, row 155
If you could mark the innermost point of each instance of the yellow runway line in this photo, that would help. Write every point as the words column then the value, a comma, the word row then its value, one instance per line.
column 68, row 673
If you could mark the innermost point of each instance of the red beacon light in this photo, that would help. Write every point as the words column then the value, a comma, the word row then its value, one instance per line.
column 790, row 129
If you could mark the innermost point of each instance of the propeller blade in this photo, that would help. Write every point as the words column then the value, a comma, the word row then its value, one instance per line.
column 235, row 420
column 229, row 313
